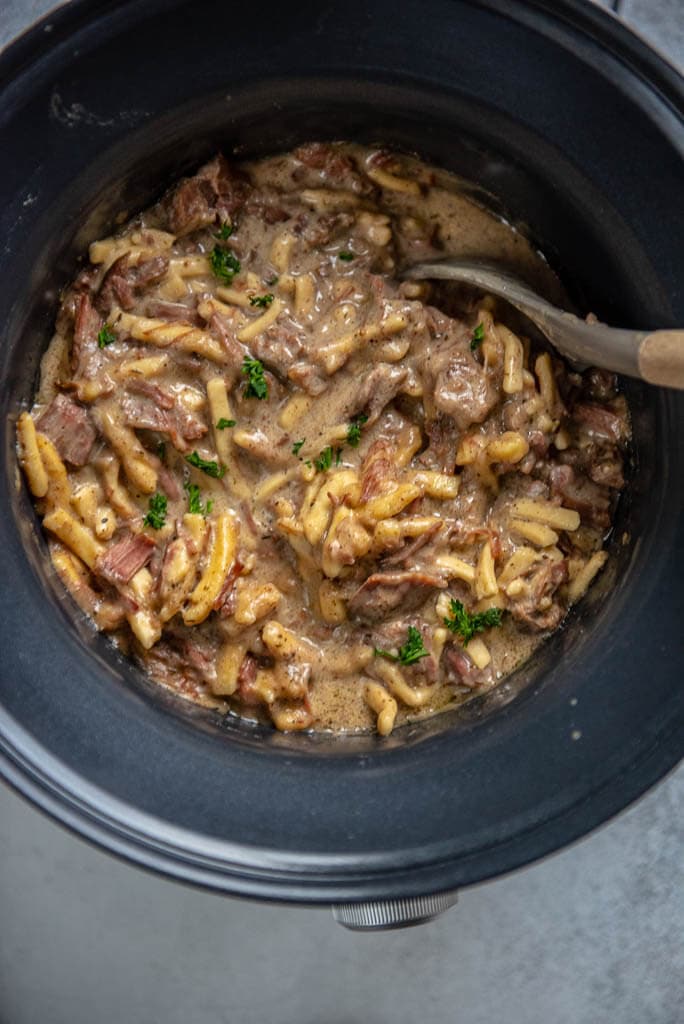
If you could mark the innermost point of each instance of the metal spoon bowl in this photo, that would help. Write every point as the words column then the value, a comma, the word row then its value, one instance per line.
column 654, row 356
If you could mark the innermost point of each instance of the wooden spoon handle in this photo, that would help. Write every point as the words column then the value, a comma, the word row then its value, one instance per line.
column 661, row 358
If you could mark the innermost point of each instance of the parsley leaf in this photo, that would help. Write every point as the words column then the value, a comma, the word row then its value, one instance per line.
column 156, row 516
column 161, row 450
column 105, row 336
column 208, row 467
column 223, row 423
column 257, row 386
column 263, row 301
column 324, row 460
column 195, row 505
column 345, row 255
column 297, row 446
column 224, row 264
column 410, row 652
column 338, row 456
column 466, row 625
column 477, row 338
column 354, row 429
column 225, row 231
column 272, row 280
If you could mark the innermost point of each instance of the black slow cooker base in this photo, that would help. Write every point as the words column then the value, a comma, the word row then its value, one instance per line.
column 581, row 150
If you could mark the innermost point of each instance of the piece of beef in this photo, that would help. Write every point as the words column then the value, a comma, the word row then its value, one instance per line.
column 591, row 500
column 324, row 229
column 443, row 437
column 123, row 282
column 227, row 599
column 541, row 588
column 408, row 550
column 86, row 356
column 70, row 429
column 191, row 206
column 463, row 390
column 121, row 560
column 231, row 185
column 246, row 679
column 308, row 378
column 601, row 385
column 145, row 387
column 601, row 421
column 176, row 311
column 377, row 469
column 270, row 205
column 221, row 327
column 385, row 592
column 144, row 413
column 334, row 168
column 460, row 668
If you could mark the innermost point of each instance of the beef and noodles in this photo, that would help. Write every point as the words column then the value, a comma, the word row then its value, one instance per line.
column 295, row 488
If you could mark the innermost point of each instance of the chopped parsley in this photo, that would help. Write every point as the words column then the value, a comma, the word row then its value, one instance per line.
column 466, row 625
column 324, row 460
column 156, row 516
column 225, row 231
column 223, row 423
column 345, row 255
column 105, row 336
column 195, row 505
column 338, row 456
column 224, row 264
column 410, row 652
column 272, row 280
column 257, row 386
column 209, row 467
column 161, row 450
column 297, row 446
column 354, row 429
column 477, row 338
column 263, row 301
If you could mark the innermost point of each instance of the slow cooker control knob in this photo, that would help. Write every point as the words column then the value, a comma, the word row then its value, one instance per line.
column 398, row 913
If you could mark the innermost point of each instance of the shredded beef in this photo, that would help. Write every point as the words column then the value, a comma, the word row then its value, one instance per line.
column 542, row 584
column 123, row 283
column 120, row 562
column 384, row 592
column 70, row 429
column 85, row 354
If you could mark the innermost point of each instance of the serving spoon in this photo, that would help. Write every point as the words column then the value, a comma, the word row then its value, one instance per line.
column 654, row 356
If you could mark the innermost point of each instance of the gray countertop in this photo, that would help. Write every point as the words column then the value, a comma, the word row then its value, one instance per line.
column 592, row 934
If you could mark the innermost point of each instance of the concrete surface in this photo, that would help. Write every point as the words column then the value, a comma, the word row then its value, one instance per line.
column 592, row 935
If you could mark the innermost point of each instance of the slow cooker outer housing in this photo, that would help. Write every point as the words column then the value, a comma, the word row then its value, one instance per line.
column 577, row 127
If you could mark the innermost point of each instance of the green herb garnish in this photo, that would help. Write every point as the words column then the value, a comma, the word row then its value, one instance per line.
column 195, row 505
column 263, row 301
column 161, row 450
column 105, row 336
column 466, row 625
column 156, row 516
column 338, row 456
column 324, row 460
column 477, row 338
column 225, row 231
column 297, row 446
column 223, row 423
column 257, row 386
column 410, row 652
column 354, row 429
column 345, row 255
column 224, row 264
column 272, row 280
column 207, row 466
